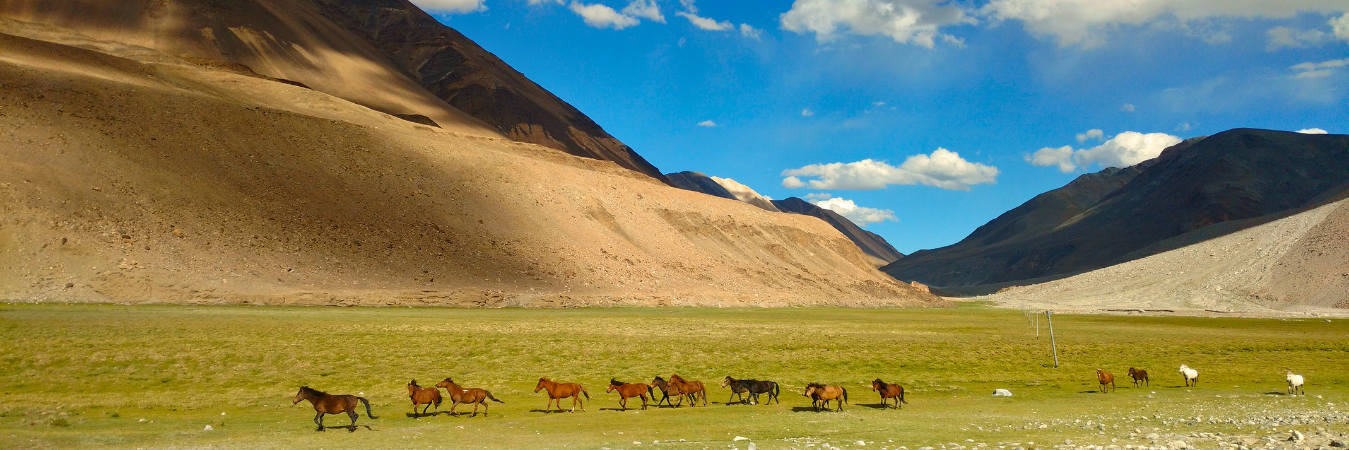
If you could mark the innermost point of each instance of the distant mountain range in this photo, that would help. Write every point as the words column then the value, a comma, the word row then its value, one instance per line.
column 872, row 244
column 1116, row 215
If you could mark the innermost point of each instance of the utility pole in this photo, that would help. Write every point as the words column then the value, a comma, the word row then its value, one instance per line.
column 1054, row 345
column 1037, row 326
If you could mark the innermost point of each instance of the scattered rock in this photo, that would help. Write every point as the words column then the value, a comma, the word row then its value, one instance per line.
column 860, row 444
column 208, row 428
column 1337, row 444
column 741, row 438
column 1296, row 436
column 1002, row 393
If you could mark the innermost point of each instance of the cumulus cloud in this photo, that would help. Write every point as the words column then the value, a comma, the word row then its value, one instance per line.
column 807, row 112
column 1123, row 150
column 1084, row 22
column 707, row 123
column 751, row 32
column 1091, row 134
column 646, row 9
column 452, row 6
column 1312, row 131
column 1340, row 27
column 943, row 168
column 706, row 23
column 1127, row 107
column 1284, row 37
column 1317, row 70
column 815, row 196
column 904, row 21
column 602, row 16
column 862, row 216
column 740, row 191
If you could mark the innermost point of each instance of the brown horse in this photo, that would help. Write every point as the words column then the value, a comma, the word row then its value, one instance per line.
column 1106, row 379
column 690, row 389
column 332, row 404
column 820, row 395
column 558, row 391
column 1139, row 375
column 467, row 395
column 423, row 396
column 664, row 386
column 894, row 391
column 626, row 390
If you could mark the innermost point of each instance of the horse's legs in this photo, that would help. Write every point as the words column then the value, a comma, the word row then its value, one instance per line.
column 644, row 402
column 475, row 410
column 352, row 414
column 318, row 419
column 622, row 401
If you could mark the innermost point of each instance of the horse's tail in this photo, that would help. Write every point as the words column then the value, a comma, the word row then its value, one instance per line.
column 650, row 392
column 583, row 391
column 367, row 407
column 901, row 395
column 490, row 397
column 845, row 394
column 776, row 390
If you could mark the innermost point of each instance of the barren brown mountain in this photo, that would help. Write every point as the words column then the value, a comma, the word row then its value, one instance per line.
column 131, row 174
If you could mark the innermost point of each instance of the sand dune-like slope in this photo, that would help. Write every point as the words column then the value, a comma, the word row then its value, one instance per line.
column 130, row 175
column 1299, row 263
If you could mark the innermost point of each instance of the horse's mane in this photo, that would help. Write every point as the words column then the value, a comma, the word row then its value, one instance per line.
column 659, row 379
column 616, row 382
column 313, row 391
column 677, row 377
column 882, row 383
column 815, row 385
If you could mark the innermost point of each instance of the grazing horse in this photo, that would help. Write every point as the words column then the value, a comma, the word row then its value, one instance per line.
column 423, row 396
column 894, row 391
column 753, row 388
column 1191, row 376
column 820, row 395
column 468, row 395
column 690, row 389
column 626, row 390
column 1139, row 375
column 1295, row 384
column 665, row 389
column 1106, row 379
column 332, row 404
column 558, row 391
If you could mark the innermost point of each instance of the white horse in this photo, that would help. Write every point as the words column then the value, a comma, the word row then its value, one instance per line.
column 1295, row 384
column 1191, row 375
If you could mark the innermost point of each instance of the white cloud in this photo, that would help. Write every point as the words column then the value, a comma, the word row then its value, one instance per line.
column 751, row 32
column 706, row 23
column 1312, row 131
column 1090, row 134
column 1127, row 107
column 1185, row 126
column 1084, row 22
column 812, row 197
column 602, row 16
column 905, row 21
column 807, row 112
column 740, row 191
column 1125, row 149
column 862, row 216
column 707, row 123
column 646, row 9
column 540, row 2
column 1340, row 26
column 1284, row 37
column 1310, row 70
column 689, row 6
column 943, row 168
column 451, row 6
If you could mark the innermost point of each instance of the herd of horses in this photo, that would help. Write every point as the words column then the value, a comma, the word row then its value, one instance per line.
column 676, row 387
column 1191, row 377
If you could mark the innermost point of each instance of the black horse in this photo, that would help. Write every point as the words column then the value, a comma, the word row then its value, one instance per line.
column 753, row 388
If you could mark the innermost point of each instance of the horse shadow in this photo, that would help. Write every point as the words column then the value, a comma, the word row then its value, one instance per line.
column 876, row 405
column 812, row 409
column 349, row 428
column 552, row 411
column 430, row 414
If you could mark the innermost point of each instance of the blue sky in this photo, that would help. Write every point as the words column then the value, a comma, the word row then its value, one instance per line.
column 832, row 98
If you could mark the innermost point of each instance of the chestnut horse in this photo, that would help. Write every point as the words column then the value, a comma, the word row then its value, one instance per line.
column 753, row 388
column 1106, row 379
column 665, row 389
column 558, row 391
column 626, row 390
column 820, row 395
column 690, row 389
column 1139, row 375
column 423, row 396
column 332, row 404
column 467, row 395
column 894, row 391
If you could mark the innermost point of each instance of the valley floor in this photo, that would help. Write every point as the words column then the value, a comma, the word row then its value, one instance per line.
column 114, row 376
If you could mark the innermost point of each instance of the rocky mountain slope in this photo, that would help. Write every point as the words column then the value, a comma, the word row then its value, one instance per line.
column 384, row 54
column 1113, row 216
column 129, row 174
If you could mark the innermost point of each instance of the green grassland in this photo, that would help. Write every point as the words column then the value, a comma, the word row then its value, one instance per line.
column 86, row 375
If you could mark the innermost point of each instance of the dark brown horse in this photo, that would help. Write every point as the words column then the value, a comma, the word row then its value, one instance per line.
column 626, row 390
column 690, row 389
column 664, row 386
column 423, row 396
column 467, row 395
column 894, row 391
column 1106, row 379
column 558, row 391
column 820, row 395
column 1139, row 375
column 753, row 388
column 332, row 404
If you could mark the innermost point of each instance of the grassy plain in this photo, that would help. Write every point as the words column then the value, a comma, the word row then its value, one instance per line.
column 85, row 375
